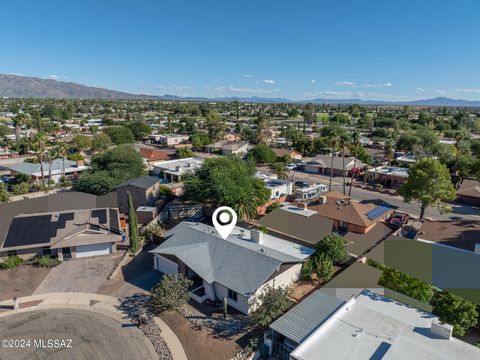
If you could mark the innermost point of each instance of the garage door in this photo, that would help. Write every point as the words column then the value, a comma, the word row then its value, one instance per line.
column 165, row 265
column 94, row 250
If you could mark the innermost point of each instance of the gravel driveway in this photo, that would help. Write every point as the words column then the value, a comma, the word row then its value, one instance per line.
column 79, row 275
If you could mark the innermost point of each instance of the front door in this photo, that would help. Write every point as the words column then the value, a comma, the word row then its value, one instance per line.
column 67, row 253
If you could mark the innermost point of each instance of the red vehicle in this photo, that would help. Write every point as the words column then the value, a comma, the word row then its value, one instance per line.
column 398, row 219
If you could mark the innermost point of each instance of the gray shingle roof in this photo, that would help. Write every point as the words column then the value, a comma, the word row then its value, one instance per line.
column 299, row 322
column 142, row 182
column 29, row 169
column 236, row 263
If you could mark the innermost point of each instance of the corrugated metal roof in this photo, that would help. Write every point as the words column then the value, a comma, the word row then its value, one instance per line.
column 298, row 323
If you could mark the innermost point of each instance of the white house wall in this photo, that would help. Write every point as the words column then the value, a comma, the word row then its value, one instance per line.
column 241, row 304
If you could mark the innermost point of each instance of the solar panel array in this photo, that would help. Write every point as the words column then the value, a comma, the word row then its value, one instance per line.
column 29, row 231
column 377, row 212
column 114, row 219
column 101, row 215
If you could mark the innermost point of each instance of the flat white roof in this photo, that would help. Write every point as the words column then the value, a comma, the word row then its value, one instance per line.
column 297, row 210
column 377, row 327
column 390, row 170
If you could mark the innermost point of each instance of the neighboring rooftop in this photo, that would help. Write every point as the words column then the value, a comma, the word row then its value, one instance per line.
column 142, row 182
column 56, row 167
column 153, row 154
column 237, row 262
column 470, row 188
column 302, row 224
column 459, row 234
column 390, row 170
column 303, row 319
column 325, row 160
column 54, row 228
column 372, row 326
column 179, row 167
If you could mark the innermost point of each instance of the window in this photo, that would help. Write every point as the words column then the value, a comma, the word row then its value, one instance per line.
column 12, row 253
column 46, row 251
column 232, row 295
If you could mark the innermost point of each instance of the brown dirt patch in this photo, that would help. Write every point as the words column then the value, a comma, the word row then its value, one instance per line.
column 21, row 281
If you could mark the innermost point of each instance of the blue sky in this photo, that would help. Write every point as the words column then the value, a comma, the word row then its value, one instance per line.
column 370, row 49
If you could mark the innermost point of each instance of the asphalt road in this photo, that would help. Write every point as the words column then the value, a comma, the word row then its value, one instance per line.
column 92, row 335
column 466, row 212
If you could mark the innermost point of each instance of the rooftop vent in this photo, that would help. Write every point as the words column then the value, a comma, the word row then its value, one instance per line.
column 441, row 330
column 256, row 236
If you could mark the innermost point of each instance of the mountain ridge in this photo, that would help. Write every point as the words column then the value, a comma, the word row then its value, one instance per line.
column 18, row 86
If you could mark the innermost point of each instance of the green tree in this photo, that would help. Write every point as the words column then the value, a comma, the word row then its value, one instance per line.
column 4, row 130
column 20, row 188
column 429, row 184
column 172, row 292
column 184, row 152
column 139, row 129
column 101, row 142
column 227, row 181
column 200, row 140
column 262, row 154
column 406, row 284
column 333, row 246
column 97, row 183
column 280, row 170
column 271, row 304
column 132, row 224
column 120, row 135
column 4, row 195
column 81, row 142
column 454, row 310
column 323, row 266
column 355, row 142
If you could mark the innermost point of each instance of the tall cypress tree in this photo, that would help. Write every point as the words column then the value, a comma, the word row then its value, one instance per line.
column 132, row 223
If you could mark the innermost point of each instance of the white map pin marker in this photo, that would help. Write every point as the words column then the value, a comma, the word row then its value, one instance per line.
column 224, row 219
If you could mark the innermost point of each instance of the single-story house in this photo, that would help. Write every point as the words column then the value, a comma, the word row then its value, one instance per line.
column 150, row 156
column 469, row 192
column 66, row 234
column 321, row 164
column 145, row 190
column 389, row 176
column 236, row 148
column 368, row 326
column 237, row 269
column 170, row 140
column 349, row 215
column 72, row 169
column 174, row 170
column 293, row 154
column 8, row 154
column 311, row 192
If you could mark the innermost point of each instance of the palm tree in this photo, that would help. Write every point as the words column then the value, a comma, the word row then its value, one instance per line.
column 51, row 155
column 61, row 149
column 41, row 140
column 355, row 142
column 343, row 141
column 333, row 141
column 389, row 150
column 280, row 170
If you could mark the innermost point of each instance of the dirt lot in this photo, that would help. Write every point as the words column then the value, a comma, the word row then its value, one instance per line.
column 79, row 275
column 21, row 281
column 199, row 344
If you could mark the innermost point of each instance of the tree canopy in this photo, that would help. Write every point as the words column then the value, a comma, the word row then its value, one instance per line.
column 227, row 181
column 172, row 292
column 429, row 183
column 333, row 246
column 454, row 310
column 120, row 135
column 263, row 154
column 271, row 304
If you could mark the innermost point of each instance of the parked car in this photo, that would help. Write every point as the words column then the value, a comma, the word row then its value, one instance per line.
column 8, row 179
column 398, row 219
column 291, row 166
column 302, row 184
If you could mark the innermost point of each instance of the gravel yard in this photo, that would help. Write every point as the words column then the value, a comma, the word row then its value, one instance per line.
column 21, row 281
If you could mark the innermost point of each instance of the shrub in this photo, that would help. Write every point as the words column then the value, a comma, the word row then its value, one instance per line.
column 333, row 246
column 324, row 267
column 75, row 157
column 454, row 310
column 379, row 186
column 272, row 207
column 46, row 261
column 12, row 261
column 21, row 188
column 271, row 304
column 406, row 284
column 172, row 292
column 307, row 270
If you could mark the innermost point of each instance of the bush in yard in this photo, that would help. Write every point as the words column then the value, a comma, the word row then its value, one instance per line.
column 271, row 304
column 46, row 261
column 456, row 311
column 307, row 269
column 12, row 261
column 323, row 267
column 172, row 292
column 20, row 188
column 406, row 284
column 334, row 247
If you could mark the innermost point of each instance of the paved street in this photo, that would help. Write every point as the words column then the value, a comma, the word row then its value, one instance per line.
column 93, row 336
column 466, row 212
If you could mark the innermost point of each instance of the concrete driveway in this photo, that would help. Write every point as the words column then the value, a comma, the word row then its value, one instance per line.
column 79, row 275
column 90, row 335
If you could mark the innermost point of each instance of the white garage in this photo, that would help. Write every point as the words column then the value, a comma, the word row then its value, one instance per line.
column 93, row 250
column 165, row 265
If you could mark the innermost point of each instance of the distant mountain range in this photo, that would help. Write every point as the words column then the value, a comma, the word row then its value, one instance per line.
column 17, row 86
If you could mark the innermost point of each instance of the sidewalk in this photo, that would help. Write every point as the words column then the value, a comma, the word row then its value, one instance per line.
column 103, row 304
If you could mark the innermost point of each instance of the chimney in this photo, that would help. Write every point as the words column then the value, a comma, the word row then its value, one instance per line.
column 177, row 168
column 256, row 236
column 302, row 205
column 441, row 330
column 477, row 248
